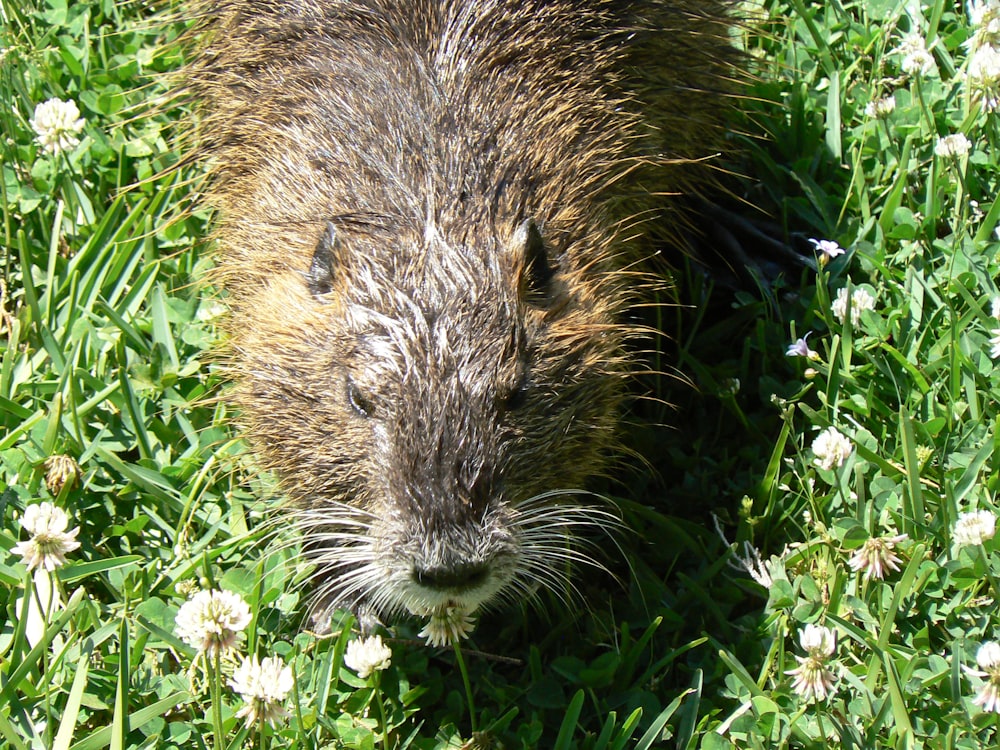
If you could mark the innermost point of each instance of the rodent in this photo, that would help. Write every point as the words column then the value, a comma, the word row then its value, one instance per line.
column 432, row 221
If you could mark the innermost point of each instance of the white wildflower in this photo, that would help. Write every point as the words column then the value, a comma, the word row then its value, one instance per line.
column 983, row 77
column 264, row 685
column 211, row 621
column 988, row 659
column 818, row 640
column 974, row 528
column 827, row 249
column 800, row 348
column 49, row 541
column 880, row 109
column 984, row 12
column 831, row 448
column 995, row 344
column 861, row 300
column 924, row 454
column 876, row 556
column 758, row 569
column 60, row 470
column 952, row 146
column 209, row 311
column 812, row 678
column 916, row 59
column 750, row 561
column 985, row 17
column 988, row 655
column 447, row 625
column 367, row 655
column 995, row 333
column 57, row 124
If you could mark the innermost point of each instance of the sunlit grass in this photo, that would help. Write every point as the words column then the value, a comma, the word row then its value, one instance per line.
column 860, row 605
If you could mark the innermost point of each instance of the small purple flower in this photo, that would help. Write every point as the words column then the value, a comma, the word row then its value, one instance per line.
column 800, row 348
column 827, row 249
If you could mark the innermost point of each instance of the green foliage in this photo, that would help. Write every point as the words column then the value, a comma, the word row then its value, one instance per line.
column 105, row 360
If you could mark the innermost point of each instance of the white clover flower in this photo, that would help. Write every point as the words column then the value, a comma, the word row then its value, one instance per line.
column 812, row 678
column 974, row 527
column 916, row 59
column 49, row 541
column 211, row 621
column 861, row 300
column 264, row 685
column 367, row 655
column 818, row 640
column 924, row 454
column 985, row 17
column 758, row 569
column 831, row 448
column 210, row 310
column 876, row 556
column 995, row 333
column 60, row 470
column 800, row 348
column 988, row 655
column 880, row 109
column 988, row 659
column 447, row 625
column 952, row 146
column 750, row 561
column 995, row 344
column 56, row 124
column 985, row 12
column 983, row 77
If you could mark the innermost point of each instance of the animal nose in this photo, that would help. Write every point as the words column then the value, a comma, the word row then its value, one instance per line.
column 458, row 576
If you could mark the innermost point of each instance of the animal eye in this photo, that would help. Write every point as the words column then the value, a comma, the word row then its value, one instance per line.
column 359, row 401
column 319, row 279
column 517, row 396
column 536, row 281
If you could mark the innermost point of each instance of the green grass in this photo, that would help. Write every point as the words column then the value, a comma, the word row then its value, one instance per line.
column 105, row 357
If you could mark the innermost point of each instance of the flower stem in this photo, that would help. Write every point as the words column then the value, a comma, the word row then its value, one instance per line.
column 381, row 710
column 216, row 678
column 468, row 685
column 984, row 556
column 924, row 109
column 46, row 609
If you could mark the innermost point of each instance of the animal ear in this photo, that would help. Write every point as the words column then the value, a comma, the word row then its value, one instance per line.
column 535, row 284
column 320, row 276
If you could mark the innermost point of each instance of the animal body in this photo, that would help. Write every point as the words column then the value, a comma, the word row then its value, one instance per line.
column 432, row 220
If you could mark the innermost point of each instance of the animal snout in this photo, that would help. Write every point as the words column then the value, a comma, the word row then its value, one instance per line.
column 457, row 576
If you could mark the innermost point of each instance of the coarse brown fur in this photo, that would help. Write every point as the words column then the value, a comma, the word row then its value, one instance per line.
column 431, row 220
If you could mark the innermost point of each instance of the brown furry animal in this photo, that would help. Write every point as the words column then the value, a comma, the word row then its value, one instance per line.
column 431, row 218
